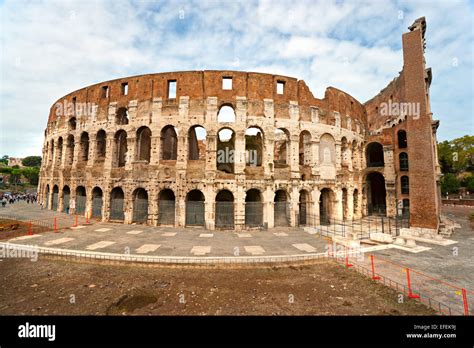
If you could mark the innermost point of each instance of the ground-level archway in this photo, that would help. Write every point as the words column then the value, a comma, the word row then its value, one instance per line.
column 140, row 206
column 54, row 203
column 166, row 207
column 224, row 210
column 303, row 207
column 195, row 208
column 97, row 202
column 253, row 208
column 376, row 194
column 116, row 204
column 281, row 209
column 80, row 200
column 66, row 198
column 326, row 202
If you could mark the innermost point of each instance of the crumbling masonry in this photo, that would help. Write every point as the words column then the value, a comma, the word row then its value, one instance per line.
column 236, row 150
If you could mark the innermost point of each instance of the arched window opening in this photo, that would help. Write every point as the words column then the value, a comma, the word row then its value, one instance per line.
column 121, row 116
column 101, row 143
column 169, row 143
column 121, row 148
column 305, row 148
column 403, row 161
column 405, row 185
column 253, row 147
column 225, row 150
column 226, row 114
column 402, row 139
column 84, row 152
column 143, row 144
column 374, row 155
column 281, row 150
column 197, row 143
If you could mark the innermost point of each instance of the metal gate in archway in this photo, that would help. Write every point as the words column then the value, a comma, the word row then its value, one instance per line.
column 195, row 213
column 253, row 214
column 54, row 203
column 302, row 214
column 224, row 215
column 66, row 197
column 282, row 214
column 166, row 212
column 97, row 206
column 116, row 209
column 80, row 204
column 140, row 210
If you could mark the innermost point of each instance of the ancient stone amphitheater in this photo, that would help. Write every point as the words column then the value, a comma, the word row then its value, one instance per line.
column 236, row 150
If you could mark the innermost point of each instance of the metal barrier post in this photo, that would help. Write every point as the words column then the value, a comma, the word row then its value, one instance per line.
column 464, row 300
column 410, row 294
column 374, row 277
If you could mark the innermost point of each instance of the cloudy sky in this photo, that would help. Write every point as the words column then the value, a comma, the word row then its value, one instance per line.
column 50, row 48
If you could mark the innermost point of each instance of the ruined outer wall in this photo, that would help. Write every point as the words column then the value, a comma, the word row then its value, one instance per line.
column 198, row 100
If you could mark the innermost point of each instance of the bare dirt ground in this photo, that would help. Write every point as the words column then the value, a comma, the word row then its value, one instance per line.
column 48, row 287
column 14, row 228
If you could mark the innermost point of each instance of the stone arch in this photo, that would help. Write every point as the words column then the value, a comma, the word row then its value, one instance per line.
column 281, row 208
column 166, row 207
column 143, row 144
column 281, row 154
column 97, row 202
column 117, row 204
column 195, row 208
column 121, row 116
column 254, row 146
column 197, row 145
column 327, row 200
column 84, row 147
column 304, row 205
column 81, row 199
column 305, row 148
column 120, row 148
column 72, row 124
column 376, row 194
column 101, row 145
column 327, row 150
column 225, row 150
column 253, row 208
column 140, row 205
column 374, row 155
column 226, row 114
column 46, row 204
column 70, row 150
column 169, row 143
column 224, row 210
column 66, row 198
column 55, row 201
column 60, row 150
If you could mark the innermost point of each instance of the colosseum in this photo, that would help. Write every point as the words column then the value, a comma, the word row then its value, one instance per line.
column 238, row 150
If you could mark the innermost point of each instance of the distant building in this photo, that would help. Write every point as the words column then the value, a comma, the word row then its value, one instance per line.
column 12, row 161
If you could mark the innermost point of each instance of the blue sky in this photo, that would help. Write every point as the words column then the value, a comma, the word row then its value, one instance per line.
column 50, row 48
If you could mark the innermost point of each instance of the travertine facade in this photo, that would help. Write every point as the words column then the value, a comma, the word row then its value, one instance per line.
column 152, row 149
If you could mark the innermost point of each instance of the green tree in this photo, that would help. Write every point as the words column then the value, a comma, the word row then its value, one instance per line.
column 457, row 155
column 469, row 183
column 4, row 159
column 32, row 161
column 449, row 183
column 32, row 174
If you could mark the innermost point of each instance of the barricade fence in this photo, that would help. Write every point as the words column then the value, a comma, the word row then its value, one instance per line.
column 362, row 228
column 442, row 296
